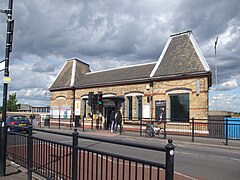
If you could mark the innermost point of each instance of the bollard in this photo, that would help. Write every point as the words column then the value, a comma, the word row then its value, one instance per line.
column 169, row 171
column 75, row 154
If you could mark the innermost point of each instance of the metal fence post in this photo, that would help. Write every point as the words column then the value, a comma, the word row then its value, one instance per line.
column 164, row 128
column 226, row 130
column 29, row 152
column 75, row 154
column 3, row 148
column 141, row 127
column 83, row 124
column 169, row 171
column 59, row 117
column 193, row 126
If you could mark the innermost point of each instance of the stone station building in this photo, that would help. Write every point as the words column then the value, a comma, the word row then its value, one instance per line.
column 177, row 85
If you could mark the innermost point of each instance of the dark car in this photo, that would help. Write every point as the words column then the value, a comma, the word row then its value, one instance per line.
column 17, row 123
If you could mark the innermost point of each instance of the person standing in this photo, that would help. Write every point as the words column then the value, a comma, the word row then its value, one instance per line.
column 118, row 121
column 112, row 119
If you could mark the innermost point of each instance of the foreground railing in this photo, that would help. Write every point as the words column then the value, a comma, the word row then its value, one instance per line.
column 56, row 160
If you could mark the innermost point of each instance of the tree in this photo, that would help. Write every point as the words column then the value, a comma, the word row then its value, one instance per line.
column 12, row 103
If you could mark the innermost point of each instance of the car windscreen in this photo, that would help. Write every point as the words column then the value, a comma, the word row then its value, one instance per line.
column 20, row 118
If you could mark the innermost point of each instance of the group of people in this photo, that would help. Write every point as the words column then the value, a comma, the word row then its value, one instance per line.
column 116, row 121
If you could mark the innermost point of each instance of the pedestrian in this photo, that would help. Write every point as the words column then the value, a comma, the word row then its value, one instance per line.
column 32, row 119
column 118, row 121
column 112, row 119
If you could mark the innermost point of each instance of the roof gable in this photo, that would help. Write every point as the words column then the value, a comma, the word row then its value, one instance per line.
column 181, row 55
column 71, row 71
column 63, row 79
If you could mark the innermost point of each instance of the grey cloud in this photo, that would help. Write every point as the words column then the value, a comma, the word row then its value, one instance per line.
column 106, row 34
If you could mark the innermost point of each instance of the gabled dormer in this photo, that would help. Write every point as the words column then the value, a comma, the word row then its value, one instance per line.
column 72, row 70
column 181, row 56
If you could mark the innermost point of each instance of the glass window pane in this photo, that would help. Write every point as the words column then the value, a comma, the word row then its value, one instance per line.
column 180, row 107
column 129, row 107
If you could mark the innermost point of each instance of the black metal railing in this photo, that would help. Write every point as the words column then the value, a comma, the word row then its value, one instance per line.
column 57, row 122
column 221, row 128
column 227, row 128
column 52, row 159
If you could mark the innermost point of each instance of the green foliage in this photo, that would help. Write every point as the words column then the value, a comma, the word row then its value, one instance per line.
column 12, row 103
column 237, row 113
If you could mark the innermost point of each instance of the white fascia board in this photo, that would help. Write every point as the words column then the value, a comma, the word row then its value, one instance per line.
column 161, row 57
column 134, row 94
column 73, row 73
column 122, row 67
column 57, row 75
column 199, row 53
column 109, row 95
column 2, row 65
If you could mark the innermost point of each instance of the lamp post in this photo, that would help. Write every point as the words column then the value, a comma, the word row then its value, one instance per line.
column 216, row 67
column 6, row 81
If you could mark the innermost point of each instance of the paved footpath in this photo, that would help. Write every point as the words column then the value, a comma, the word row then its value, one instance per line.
column 15, row 172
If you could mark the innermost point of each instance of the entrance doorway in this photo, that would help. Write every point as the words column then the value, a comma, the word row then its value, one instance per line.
column 108, row 111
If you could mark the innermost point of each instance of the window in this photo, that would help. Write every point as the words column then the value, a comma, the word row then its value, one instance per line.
column 139, row 107
column 129, row 107
column 179, row 107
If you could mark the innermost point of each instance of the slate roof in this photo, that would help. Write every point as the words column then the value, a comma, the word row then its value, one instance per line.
column 128, row 74
column 180, row 56
column 63, row 79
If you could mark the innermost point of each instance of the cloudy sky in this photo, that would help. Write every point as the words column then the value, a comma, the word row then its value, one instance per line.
column 113, row 33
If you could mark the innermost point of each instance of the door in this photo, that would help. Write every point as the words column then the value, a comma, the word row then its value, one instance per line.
column 108, row 111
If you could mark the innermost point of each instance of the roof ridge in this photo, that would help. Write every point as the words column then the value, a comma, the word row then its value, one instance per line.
column 73, row 72
column 121, row 67
column 181, row 33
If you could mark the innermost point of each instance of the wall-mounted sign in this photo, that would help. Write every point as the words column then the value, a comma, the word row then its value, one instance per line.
column 77, row 107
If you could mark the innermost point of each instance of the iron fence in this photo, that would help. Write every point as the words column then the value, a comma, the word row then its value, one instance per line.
column 227, row 128
column 56, row 160
column 221, row 128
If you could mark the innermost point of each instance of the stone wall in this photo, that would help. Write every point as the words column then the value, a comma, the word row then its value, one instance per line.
column 159, row 90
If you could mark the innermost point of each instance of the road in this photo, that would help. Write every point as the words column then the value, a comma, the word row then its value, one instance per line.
column 199, row 161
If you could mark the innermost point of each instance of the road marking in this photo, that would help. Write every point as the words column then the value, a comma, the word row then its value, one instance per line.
column 212, row 156
column 185, row 176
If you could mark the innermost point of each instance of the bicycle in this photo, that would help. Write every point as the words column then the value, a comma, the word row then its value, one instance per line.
column 151, row 131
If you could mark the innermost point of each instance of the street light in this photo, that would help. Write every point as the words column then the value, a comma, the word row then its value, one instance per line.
column 216, row 67
column 6, row 81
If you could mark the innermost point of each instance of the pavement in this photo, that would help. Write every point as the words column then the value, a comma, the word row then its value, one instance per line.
column 16, row 172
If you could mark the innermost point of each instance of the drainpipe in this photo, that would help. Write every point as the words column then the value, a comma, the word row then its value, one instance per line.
column 73, row 114
column 151, row 101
